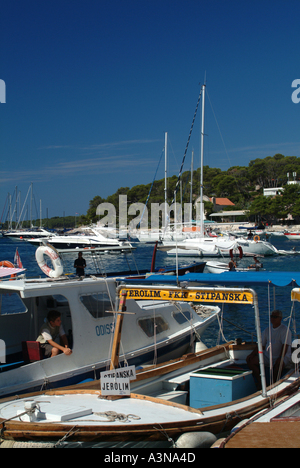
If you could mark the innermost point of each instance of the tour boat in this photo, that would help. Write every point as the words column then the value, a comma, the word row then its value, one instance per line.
column 153, row 330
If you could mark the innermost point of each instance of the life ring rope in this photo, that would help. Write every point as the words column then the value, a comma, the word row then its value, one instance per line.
column 52, row 253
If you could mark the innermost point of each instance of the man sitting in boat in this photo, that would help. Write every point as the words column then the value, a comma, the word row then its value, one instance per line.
column 256, row 265
column 232, row 265
column 50, row 332
column 277, row 342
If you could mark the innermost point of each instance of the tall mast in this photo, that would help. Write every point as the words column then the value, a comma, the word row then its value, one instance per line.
column 166, row 171
column 201, row 165
column 31, row 200
column 191, row 191
column 40, row 213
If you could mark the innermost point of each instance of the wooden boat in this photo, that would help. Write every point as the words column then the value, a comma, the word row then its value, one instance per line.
column 80, row 416
column 85, row 417
column 276, row 427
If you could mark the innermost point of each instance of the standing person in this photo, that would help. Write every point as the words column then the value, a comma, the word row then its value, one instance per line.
column 80, row 265
column 276, row 342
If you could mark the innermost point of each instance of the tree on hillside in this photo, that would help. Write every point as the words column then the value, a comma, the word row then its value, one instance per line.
column 242, row 185
column 91, row 213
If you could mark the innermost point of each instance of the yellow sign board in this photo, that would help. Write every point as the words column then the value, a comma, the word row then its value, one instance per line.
column 230, row 296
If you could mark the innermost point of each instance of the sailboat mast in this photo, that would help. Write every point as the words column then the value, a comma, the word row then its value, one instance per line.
column 191, row 189
column 201, row 165
column 166, row 172
column 40, row 213
column 31, row 201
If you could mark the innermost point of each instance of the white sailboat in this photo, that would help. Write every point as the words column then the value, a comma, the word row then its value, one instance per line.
column 213, row 246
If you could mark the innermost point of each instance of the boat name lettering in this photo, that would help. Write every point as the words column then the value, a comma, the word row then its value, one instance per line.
column 117, row 381
column 144, row 293
column 120, row 374
column 222, row 297
column 115, row 387
column 190, row 295
column 104, row 329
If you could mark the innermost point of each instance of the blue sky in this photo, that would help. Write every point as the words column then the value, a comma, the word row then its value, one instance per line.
column 93, row 85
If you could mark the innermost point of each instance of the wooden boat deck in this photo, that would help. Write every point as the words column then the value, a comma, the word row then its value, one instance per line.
column 278, row 434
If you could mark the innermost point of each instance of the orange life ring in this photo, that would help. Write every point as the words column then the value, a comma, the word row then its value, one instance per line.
column 7, row 264
column 256, row 238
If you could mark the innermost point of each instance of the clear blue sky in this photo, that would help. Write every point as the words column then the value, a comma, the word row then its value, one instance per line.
column 93, row 85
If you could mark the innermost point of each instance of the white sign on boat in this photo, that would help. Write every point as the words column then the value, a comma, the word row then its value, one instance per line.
column 117, row 381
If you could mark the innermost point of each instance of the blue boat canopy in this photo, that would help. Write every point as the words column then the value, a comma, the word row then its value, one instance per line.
column 236, row 278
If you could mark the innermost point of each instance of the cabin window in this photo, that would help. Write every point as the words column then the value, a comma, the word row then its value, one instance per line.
column 11, row 303
column 182, row 317
column 97, row 304
column 147, row 325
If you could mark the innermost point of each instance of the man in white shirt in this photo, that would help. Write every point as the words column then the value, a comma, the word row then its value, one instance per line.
column 276, row 342
column 49, row 334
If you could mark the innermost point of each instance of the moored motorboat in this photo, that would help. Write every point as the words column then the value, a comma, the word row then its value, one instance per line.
column 220, row 267
column 155, row 330
column 292, row 235
column 218, row 247
column 83, row 239
column 33, row 233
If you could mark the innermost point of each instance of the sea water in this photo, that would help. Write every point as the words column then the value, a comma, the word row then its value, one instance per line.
column 239, row 315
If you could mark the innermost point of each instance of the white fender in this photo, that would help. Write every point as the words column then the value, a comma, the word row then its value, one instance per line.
column 55, row 259
column 195, row 440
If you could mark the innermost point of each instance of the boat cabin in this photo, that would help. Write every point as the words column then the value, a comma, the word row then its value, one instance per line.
column 153, row 329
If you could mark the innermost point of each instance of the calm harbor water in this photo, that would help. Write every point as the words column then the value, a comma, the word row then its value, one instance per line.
column 243, row 316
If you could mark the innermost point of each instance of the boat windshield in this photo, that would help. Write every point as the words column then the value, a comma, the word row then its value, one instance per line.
column 97, row 304
column 152, row 325
column 182, row 317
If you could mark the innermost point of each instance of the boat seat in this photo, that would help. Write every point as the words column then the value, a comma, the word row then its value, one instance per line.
column 32, row 351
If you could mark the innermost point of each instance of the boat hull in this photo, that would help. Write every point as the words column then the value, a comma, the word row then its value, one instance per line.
column 220, row 267
column 292, row 235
